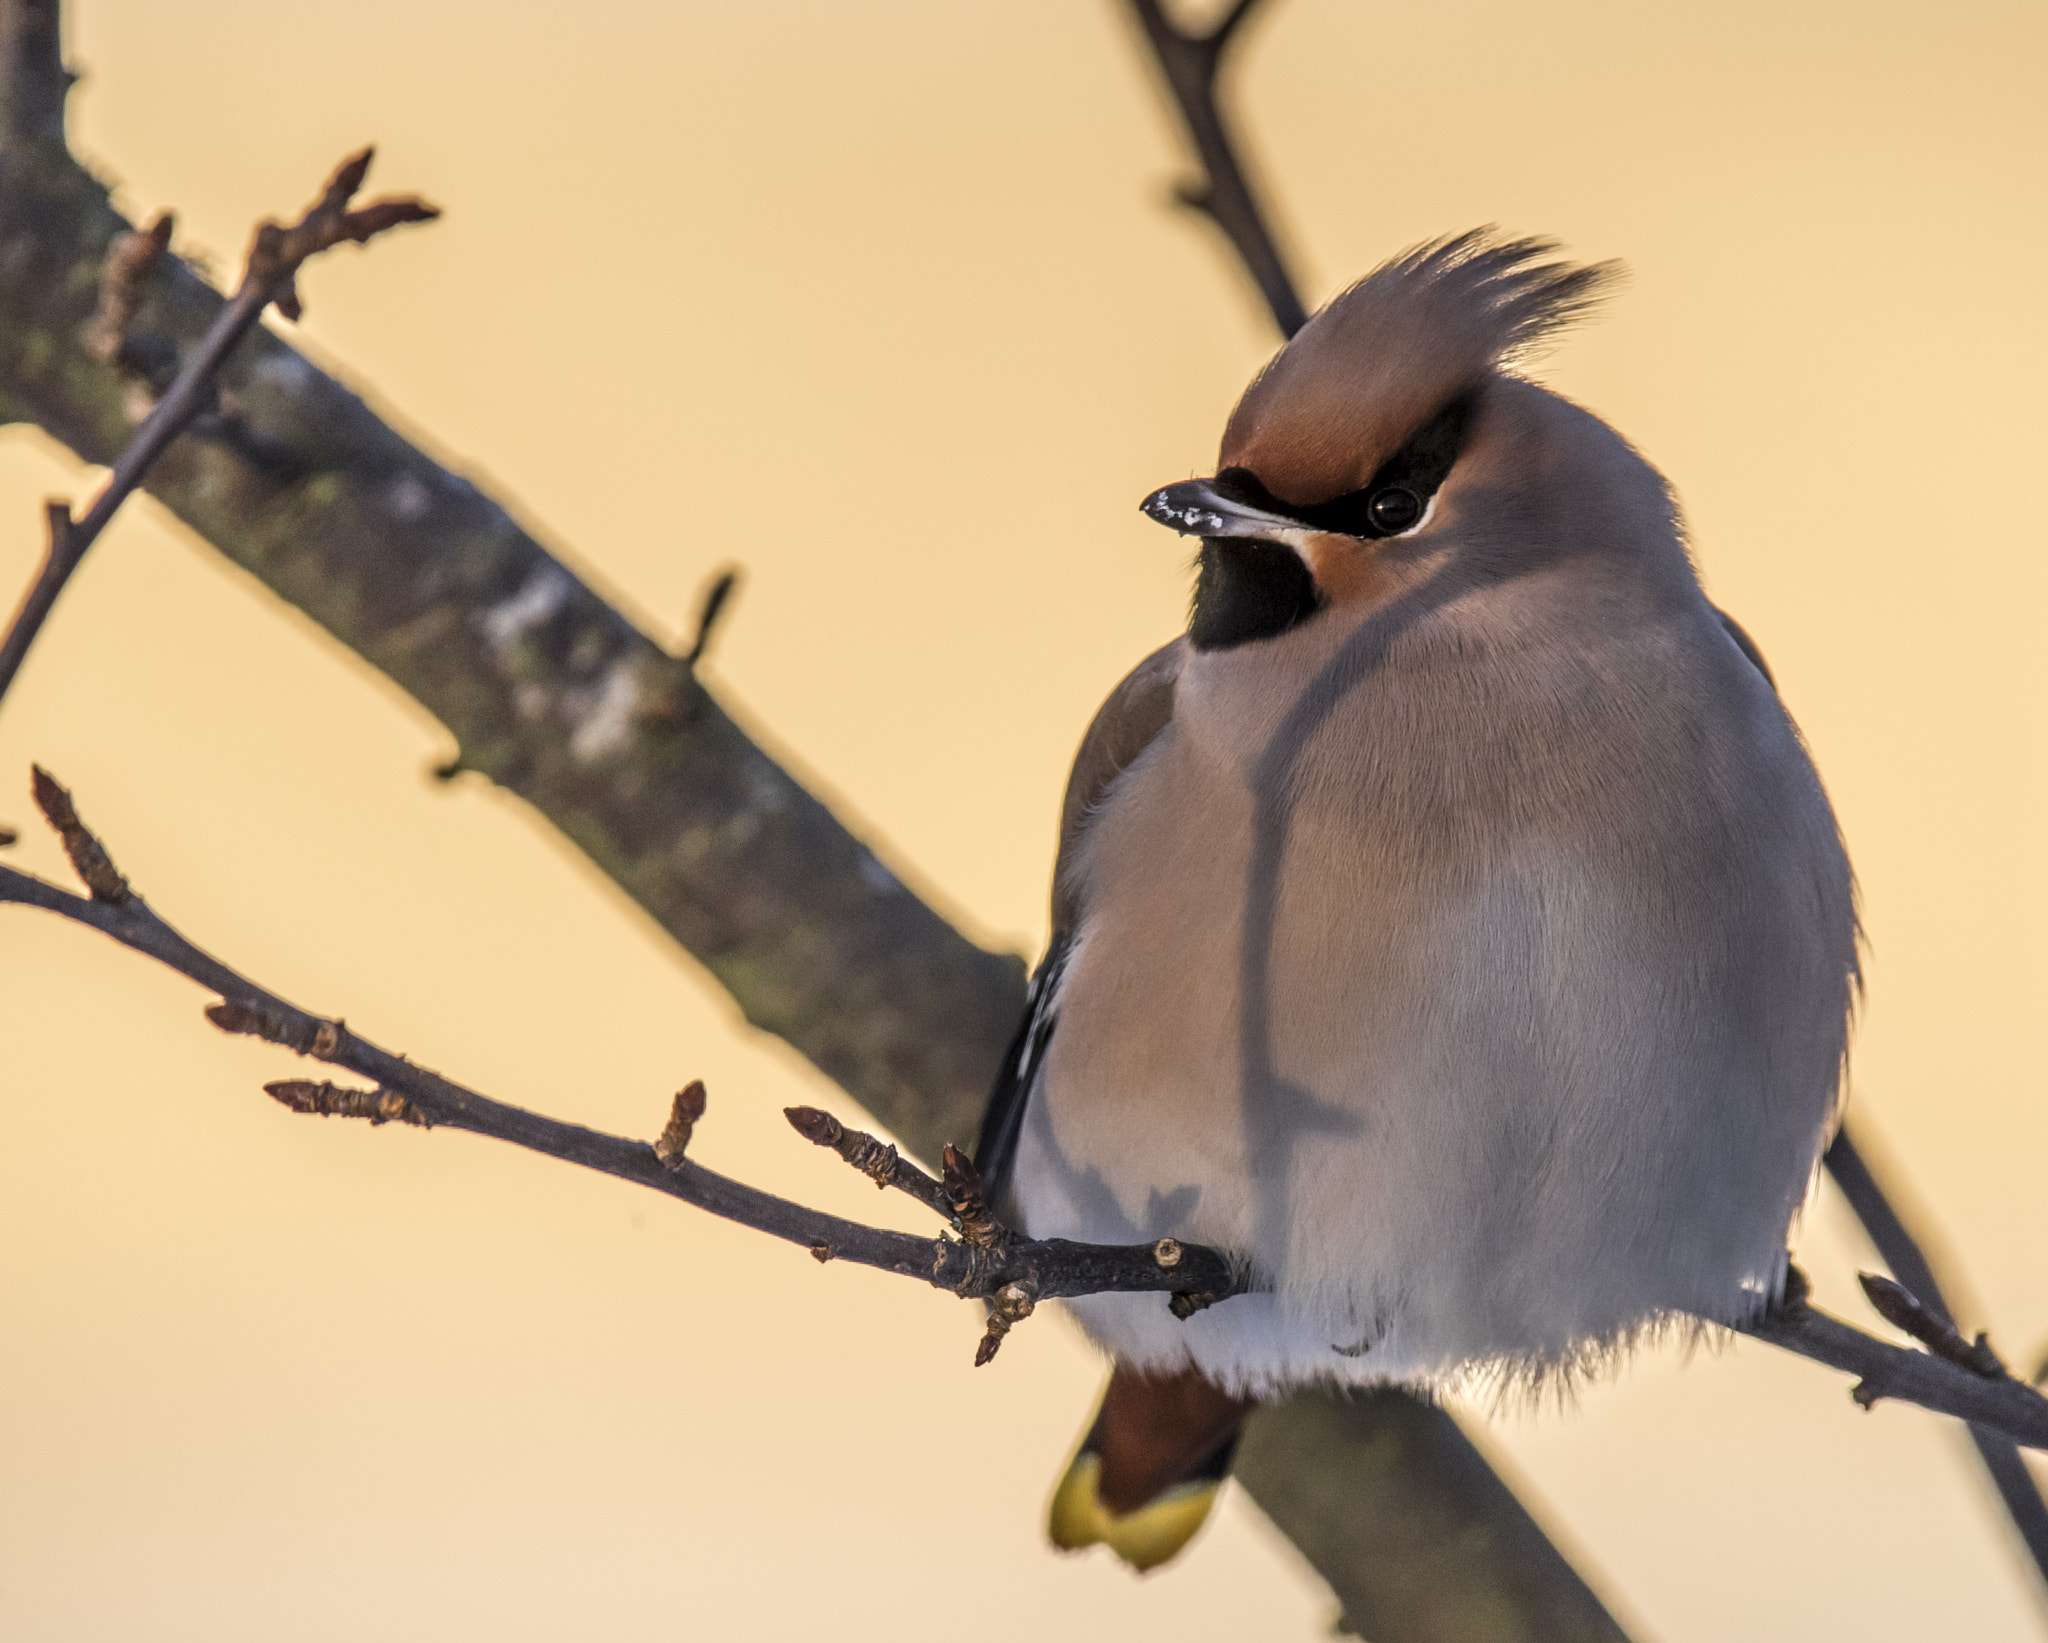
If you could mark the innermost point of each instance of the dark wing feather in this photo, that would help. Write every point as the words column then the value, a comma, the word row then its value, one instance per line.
column 1004, row 1119
column 1136, row 712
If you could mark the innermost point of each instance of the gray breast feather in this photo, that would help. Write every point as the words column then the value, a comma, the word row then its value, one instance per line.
column 1504, row 1021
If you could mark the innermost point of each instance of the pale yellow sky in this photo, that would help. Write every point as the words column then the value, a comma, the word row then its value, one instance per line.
column 881, row 303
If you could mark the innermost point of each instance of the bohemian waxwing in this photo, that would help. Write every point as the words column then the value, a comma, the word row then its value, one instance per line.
column 1450, row 925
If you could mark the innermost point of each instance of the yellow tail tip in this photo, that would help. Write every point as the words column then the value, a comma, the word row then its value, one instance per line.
column 1145, row 1538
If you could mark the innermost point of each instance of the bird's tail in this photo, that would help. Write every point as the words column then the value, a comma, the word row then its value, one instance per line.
column 1149, row 1468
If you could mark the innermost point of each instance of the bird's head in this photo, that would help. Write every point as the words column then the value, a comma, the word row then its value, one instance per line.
column 1336, row 461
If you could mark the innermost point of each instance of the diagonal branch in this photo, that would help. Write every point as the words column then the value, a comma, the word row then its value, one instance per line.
column 1190, row 64
column 544, row 687
column 1901, row 1251
column 987, row 1262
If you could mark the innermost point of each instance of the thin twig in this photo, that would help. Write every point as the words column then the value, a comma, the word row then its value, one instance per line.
column 1190, row 63
column 1901, row 1251
column 403, row 1091
column 879, row 1161
column 958, row 1199
column 1885, row 1371
column 715, row 598
column 275, row 256
column 1901, row 1308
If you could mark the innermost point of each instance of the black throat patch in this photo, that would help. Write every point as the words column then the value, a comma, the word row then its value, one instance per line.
column 1246, row 589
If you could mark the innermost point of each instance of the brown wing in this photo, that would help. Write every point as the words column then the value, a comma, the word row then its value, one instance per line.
column 1124, row 726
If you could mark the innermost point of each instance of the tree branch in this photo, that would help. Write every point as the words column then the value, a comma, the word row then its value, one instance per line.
column 545, row 688
column 1983, row 1393
column 1901, row 1251
column 986, row 1262
column 33, row 78
column 275, row 256
column 1190, row 64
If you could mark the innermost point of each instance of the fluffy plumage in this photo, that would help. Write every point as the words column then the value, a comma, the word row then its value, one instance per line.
column 1472, row 958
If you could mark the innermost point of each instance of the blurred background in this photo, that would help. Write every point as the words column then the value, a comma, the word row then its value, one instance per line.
column 884, row 303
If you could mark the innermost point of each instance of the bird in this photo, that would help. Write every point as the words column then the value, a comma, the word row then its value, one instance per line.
column 1450, row 926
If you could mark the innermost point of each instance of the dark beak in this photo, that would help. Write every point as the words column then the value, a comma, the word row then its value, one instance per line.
column 1196, row 508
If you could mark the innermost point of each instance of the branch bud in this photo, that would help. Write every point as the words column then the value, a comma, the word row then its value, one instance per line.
column 674, row 1140
column 336, row 1101
column 89, row 858
column 308, row 1035
column 970, row 1203
column 1013, row 1303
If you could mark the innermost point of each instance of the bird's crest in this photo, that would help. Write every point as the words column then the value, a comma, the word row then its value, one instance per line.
column 1382, row 357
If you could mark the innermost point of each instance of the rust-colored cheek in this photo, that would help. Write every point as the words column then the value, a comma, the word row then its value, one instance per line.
column 1347, row 571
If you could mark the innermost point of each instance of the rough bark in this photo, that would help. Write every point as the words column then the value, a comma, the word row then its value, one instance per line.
column 545, row 688
column 1411, row 1526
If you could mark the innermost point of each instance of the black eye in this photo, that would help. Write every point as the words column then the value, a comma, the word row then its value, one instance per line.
column 1394, row 509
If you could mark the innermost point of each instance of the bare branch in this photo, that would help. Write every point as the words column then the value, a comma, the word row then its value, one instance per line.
column 1898, row 1306
column 1009, row 1271
column 715, row 598
column 1885, row 1371
column 89, row 860
column 1901, row 1251
column 1191, row 63
column 880, row 1162
column 435, row 583
column 33, row 78
column 274, row 262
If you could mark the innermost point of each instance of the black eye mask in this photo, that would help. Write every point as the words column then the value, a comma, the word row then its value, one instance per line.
column 1392, row 501
column 1249, row 589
